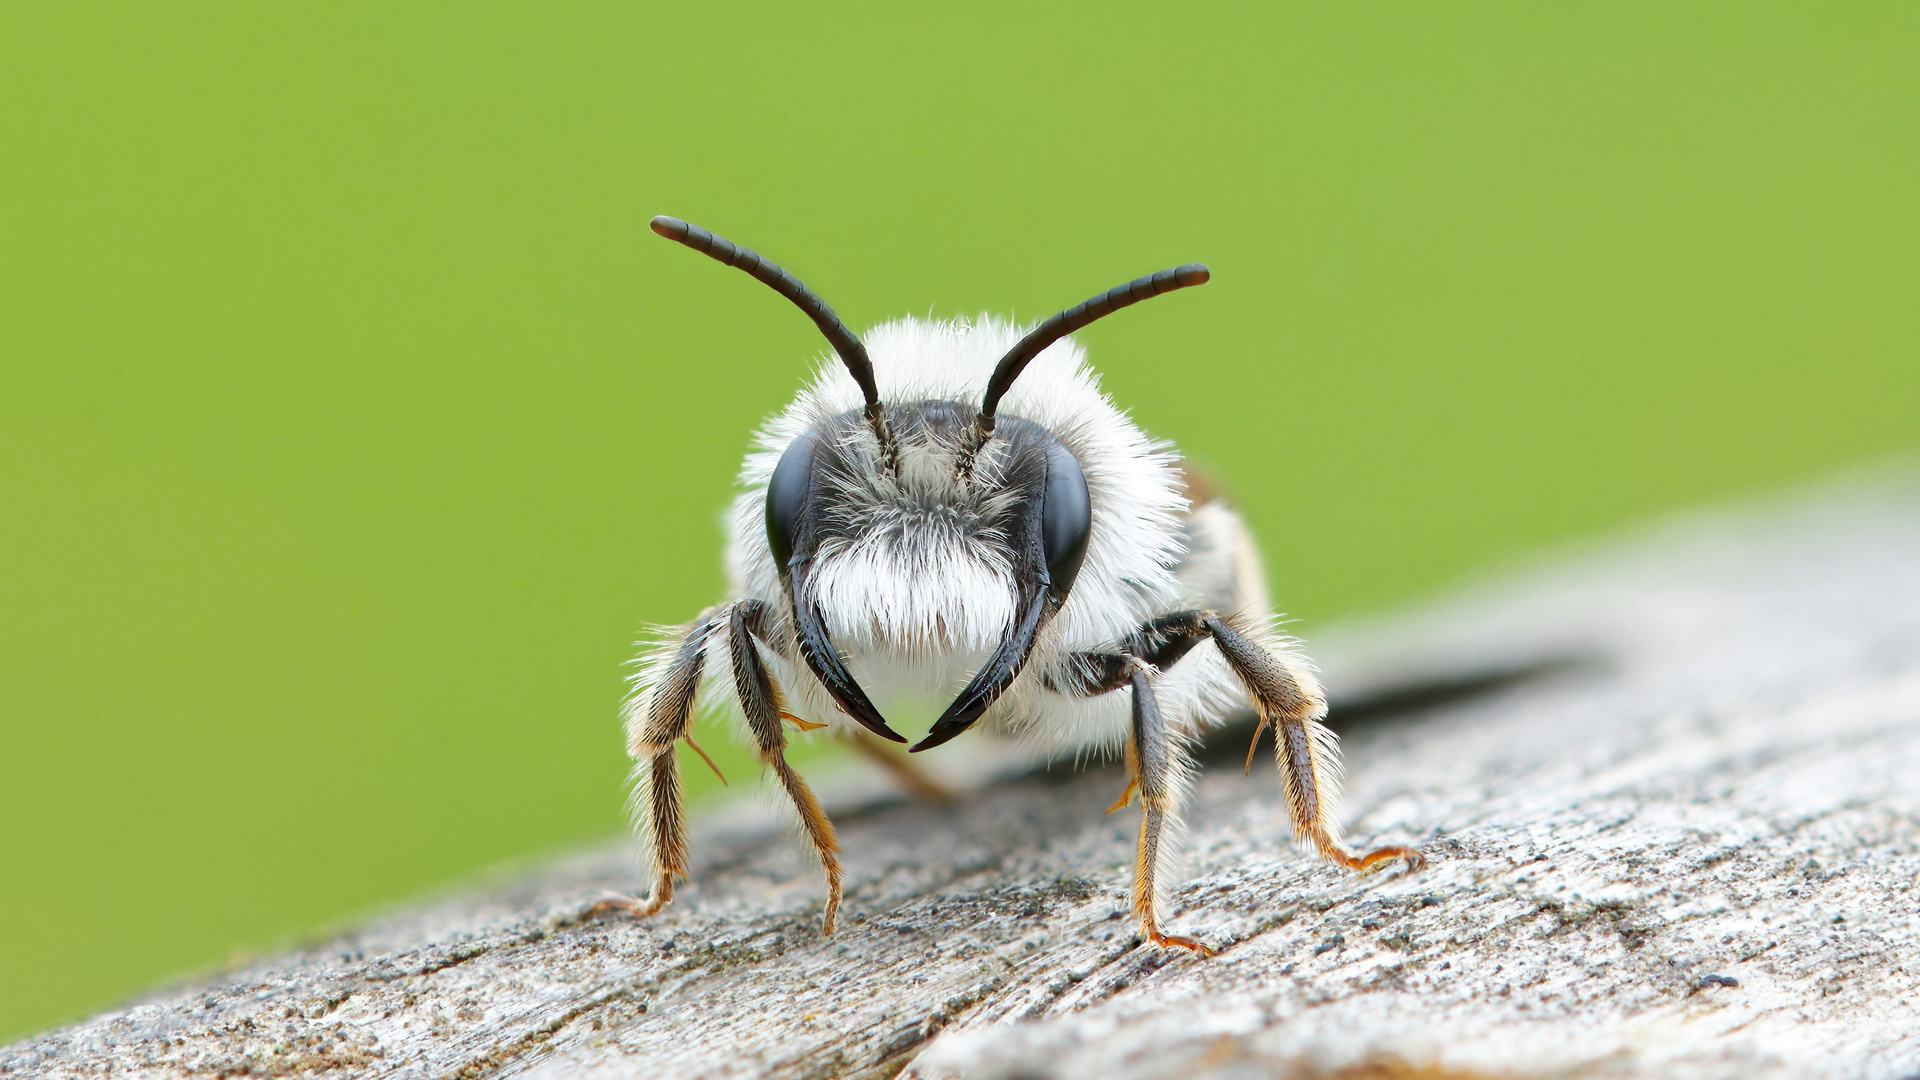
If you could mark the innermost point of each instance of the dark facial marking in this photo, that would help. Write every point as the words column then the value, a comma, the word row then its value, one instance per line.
column 1047, row 526
column 994, row 676
column 817, row 648
column 793, row 534
column 1054, row 494
column 787, row 495
column 1066, row 520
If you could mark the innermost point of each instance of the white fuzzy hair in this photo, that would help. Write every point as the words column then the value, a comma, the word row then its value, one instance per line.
column 916, row 608
column 920, row 635
column 916, row 633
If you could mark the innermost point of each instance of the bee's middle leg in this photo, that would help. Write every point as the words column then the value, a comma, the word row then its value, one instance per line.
column 665, row 717
column 1285, row 700
column 760, row 700
column 1153, row 759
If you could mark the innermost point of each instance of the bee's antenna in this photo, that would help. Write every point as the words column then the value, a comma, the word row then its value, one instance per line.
column 1068, row 321
column 851, row 352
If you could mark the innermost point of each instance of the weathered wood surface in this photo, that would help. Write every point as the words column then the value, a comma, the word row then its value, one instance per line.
column 1705, row 763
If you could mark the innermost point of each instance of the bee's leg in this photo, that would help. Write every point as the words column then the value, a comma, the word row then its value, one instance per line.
column 1307, row 753
column 1154, row 763
column 1285, row 699
column 1152, row 759
column 760, row 700
column 662, row 716
column 902, row 768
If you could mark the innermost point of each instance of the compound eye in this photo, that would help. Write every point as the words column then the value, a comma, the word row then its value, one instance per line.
column 1066, row 519
column 787, row 496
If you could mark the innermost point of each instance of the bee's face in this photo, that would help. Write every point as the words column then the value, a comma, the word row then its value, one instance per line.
column 913, row 562
column 1020, row 502
column 957, row 551
column 925, row 510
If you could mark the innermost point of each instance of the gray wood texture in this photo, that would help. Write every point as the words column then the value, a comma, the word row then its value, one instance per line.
column 1670, row 788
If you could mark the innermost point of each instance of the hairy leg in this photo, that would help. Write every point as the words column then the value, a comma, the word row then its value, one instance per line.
column 1152, row 754
column 1306, row 752
column 760, row 700
column 662, row 716
column 1304, row 749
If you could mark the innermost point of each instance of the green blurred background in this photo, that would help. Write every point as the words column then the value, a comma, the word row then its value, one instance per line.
column 352, row 423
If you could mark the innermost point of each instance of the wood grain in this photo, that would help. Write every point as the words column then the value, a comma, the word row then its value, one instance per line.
column 1670, row 790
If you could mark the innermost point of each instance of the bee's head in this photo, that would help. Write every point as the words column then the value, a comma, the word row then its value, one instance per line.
column 926, row 544
column 928, row 523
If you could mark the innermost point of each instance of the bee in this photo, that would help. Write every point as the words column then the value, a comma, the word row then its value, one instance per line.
column 955, row 509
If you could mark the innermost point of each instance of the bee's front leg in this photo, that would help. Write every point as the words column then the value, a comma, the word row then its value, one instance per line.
column 1155, row 771
column 661, row 716
column 760, row 700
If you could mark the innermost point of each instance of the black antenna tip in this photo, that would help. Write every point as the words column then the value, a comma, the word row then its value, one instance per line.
column 674, row 229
